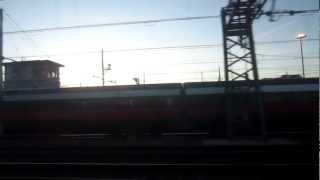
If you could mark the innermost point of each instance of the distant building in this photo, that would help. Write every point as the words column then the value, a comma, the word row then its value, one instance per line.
column 39, row 74
column 291, row 76
column 286, row 76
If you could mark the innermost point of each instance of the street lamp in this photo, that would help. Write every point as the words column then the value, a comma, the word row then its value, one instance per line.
column 301, row 36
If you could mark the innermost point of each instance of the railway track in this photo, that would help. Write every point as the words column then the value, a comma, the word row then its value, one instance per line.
column 180, row 156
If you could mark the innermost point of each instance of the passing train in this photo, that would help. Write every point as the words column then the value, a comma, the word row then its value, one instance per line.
column 289, row 106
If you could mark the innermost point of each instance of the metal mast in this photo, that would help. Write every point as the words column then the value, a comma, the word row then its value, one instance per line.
column 240, row 60
column 102, row 67
column 1, row 53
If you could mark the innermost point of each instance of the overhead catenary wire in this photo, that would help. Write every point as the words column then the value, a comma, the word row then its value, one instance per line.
column 114, row 24
column 213, row 73
column 125, row 23
column 285, row 41
column 285, row 56
column 214, row 61
column 183, row 47
column 36, row 47
column 205, row 46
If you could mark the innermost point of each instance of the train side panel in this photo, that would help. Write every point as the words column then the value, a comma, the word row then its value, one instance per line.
column 290, row 107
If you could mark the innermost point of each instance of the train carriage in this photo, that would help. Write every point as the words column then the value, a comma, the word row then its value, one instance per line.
column 289, row 106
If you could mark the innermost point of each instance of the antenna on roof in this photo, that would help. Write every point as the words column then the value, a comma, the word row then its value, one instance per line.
column 136, row 80
column 103, row 69
column 219, row 77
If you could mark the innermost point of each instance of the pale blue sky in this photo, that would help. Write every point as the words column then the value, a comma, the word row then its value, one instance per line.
column 83, row 45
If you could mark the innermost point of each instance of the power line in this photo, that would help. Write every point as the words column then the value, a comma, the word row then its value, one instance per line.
column 114, row 24
column 21, row 29
column 129, row 50
column 285, row 41
column 205, row 46
column 120, row 24
column 192, row 73
column 217, row 62
column 183, row 47
column 285, row 56
column 167, row 48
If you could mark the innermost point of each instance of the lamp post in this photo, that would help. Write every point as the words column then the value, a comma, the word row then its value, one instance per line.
column 301, row 36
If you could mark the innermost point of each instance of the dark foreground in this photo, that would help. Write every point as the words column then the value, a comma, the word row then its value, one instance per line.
column 176, row 156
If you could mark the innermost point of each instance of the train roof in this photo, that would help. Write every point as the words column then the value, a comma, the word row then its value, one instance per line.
column 96, row 89
column 260, row 82
column 165, row 87
column 156, row 90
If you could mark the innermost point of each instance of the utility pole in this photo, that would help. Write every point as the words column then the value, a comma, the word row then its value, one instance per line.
column 1, row 59
column 1, row 52
column 102, row 67
column 302, row 59
column 301, row 36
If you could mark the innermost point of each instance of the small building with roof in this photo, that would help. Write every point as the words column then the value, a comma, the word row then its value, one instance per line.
column 36, row 74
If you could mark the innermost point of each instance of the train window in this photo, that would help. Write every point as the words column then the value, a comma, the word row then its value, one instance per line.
column 169, row 102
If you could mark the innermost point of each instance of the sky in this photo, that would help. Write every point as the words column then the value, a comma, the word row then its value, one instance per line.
column 79, row 50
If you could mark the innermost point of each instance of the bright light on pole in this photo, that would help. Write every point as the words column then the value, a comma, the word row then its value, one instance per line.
column 301, row 36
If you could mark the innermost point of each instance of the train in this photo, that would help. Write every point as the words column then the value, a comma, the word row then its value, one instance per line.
column 289, row 106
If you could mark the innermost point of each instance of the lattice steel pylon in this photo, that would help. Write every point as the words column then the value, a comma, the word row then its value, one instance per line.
column 240, row 60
